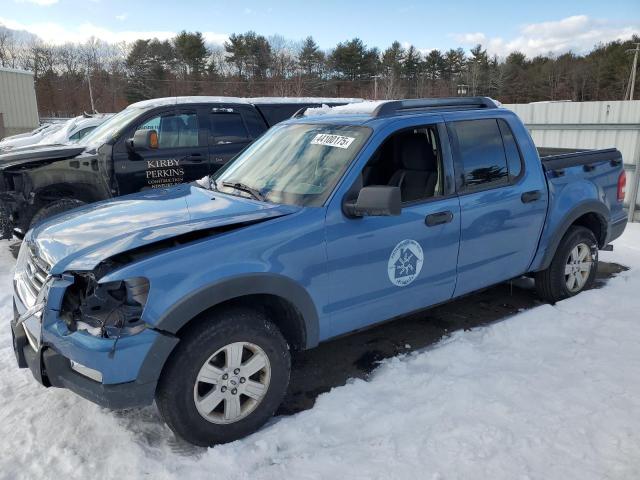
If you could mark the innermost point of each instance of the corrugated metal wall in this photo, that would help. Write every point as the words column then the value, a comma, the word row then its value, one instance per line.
column 587, row 125
column 18, row 104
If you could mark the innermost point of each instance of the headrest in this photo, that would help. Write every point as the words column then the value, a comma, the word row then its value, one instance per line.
column 416, row 153
column 172, row 124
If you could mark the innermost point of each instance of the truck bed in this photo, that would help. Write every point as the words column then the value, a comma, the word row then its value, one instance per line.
column 561, row 158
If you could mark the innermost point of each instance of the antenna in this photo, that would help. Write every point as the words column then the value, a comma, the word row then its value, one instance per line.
column 632, row 77
column 93, row 108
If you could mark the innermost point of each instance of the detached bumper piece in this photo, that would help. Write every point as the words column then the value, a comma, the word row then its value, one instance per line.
column 51, row 369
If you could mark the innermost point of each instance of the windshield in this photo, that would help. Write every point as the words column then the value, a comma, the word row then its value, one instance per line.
column 111, row 127
column 293, row 164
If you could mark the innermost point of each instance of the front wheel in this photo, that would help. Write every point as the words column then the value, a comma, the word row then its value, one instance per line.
column 225, row 379
column 54, row 208
column 573, row 268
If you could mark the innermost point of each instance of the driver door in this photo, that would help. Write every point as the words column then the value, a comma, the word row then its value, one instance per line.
column 182, row 154
column 381, row 267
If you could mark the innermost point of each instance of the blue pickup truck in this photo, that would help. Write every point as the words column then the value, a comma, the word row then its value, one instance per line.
column 332, row 221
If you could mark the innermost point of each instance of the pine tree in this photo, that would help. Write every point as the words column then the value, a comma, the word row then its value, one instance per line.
column 353, row 61
column 311, row 59
column 191, row 53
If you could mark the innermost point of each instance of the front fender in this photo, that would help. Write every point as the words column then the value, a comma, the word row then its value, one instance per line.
column 209, row 296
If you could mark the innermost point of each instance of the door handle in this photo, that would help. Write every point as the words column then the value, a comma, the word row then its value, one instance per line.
column 195, row 157
column 438, row 218
column 532, row 196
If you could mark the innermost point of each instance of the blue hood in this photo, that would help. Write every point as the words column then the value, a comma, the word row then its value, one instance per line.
column 82, row 238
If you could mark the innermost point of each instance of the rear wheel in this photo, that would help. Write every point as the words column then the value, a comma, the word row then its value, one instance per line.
column 226, row 377
column 573, row 268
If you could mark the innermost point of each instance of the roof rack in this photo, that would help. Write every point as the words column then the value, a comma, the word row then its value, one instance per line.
column 432, row 104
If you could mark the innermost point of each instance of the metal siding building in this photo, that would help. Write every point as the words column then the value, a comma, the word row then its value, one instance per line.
column 588, row 125
column 18, row 107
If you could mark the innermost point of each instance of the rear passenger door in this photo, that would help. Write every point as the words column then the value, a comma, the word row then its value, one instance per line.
column 231, row 129
column 502, row 204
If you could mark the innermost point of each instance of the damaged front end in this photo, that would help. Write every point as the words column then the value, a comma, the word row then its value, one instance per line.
column 16, row 204
column 87, row 335
column 6, row 222
column 11, row 202
column 105, row 310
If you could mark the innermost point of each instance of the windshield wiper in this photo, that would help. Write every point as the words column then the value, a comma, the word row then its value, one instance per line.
column 246, row 188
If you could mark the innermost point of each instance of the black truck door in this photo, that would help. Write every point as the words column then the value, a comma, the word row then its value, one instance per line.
column 232, row 128
column 181, row 156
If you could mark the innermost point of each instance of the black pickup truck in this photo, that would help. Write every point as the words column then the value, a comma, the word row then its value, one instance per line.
column 150, row 144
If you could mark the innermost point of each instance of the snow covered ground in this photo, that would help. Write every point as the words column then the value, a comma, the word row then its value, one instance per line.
column 551, row 393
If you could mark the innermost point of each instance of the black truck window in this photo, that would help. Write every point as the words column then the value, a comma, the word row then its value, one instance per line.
column 174, row 131
column 227, row 128
column 481, row 153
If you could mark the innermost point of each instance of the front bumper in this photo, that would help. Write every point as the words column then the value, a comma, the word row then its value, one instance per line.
column 129, row 372
column 51, row 369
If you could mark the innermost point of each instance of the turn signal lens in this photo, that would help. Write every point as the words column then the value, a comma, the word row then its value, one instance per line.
column 153, row 139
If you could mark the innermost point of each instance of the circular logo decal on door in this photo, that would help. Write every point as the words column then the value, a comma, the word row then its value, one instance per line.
column 405, row 262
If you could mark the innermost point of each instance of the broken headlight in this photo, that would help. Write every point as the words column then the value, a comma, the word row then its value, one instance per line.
column 108, row 310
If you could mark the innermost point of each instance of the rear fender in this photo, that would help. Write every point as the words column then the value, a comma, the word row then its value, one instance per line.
column 555, row 230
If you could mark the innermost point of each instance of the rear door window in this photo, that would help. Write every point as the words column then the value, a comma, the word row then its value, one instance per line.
column 481, row 154
column 514, row 158
column 227, row 128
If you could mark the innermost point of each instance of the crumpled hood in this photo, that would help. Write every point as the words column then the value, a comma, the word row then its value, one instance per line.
column 37, row 153
column 81, row 239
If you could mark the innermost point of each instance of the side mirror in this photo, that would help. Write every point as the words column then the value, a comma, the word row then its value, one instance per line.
column 143, row 140
column 376, row 200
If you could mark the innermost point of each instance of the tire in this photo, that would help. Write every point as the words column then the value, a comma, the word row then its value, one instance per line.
column 182, row 395
column 54, row 208
column 554, row 284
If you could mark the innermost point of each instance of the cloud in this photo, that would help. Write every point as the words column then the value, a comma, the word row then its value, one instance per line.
column 57, row 34
column 578, row 33
column 471, row 38
column 122, row 17
column 215, row 38
column 42, row 3
column 422, row 50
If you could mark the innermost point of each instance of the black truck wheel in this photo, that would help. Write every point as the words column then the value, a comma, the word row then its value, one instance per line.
column 226, row 377
column 573, row 268
column 54, row 208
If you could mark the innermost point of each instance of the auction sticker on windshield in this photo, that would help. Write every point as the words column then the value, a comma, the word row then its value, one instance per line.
column 332, row 140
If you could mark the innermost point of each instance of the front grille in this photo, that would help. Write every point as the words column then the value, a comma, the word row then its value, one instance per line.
column 31, row 278
column 37, row 273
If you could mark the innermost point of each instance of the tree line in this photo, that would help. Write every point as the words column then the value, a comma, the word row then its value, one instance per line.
column 250, row 64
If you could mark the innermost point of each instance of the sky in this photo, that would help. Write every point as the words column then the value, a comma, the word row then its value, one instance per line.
column 532, row 27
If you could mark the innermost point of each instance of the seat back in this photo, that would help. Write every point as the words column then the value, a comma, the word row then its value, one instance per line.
column 418, row 174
